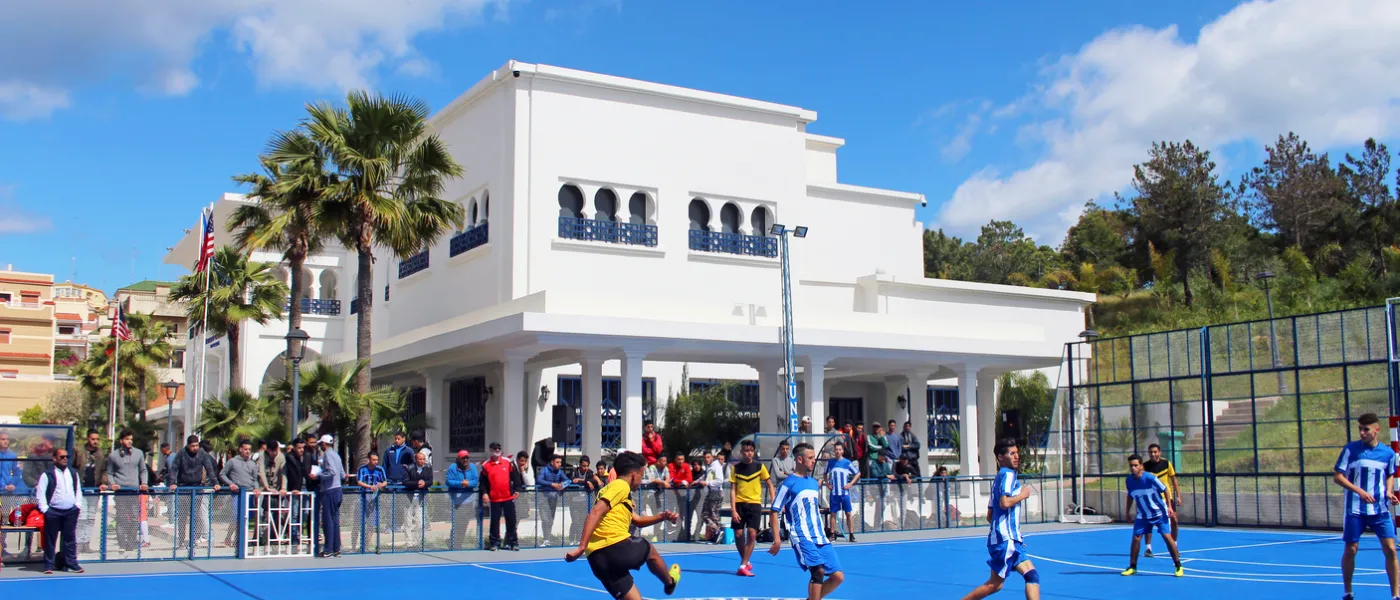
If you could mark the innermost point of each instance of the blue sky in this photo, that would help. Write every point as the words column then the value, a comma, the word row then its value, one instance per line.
column 118, row 125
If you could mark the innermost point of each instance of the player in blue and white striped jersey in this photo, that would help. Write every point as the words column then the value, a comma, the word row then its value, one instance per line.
column 1004, row 543
column 841, row 474
column 1153, row 512
column 1366, row 470
column 798, row 500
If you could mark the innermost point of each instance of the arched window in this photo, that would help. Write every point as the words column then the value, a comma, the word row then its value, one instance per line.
column 328, row 285
column 570, row 202
column 485, row 206
column 637, row 207
column 605, row 205
column 471, row 213
column 730, row 217
column 699, row 215
column 761, row 219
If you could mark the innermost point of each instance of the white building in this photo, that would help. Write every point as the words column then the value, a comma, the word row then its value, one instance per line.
column 628, row 237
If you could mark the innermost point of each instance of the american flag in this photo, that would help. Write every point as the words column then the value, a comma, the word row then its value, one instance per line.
column 206, row 246
column 119, row 328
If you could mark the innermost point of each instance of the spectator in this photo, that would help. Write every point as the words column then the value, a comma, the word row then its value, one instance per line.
column 496, row 488
column 656, row 479
column 909, row 448
column 782, row 464
column 714, row 496
column 92, row 469
column 830, row 425
column 578, row 502
column 805, row 425
column 417, row 480
column 397, row 459
column 604, row 473
column 941, row 472
column 552, row 480
column 881, row 475
column 542, row 454
column 39, row 459
column 682, row 480
column 194, row 468
column 418, row 443
column 875, row 442
column 652, row 446
column 905, row 472
column 894, row 442
column 861, row 452
column 329, row 473
column 60, row 497
column 524, row 478
column 371, row 479
column 126, row 468
column 297, row 466
column 272, row 469
column 167, row 456
column 463, row 480
column 240, row 474
column 313, row 453
column 10, row 474
column 258, row 454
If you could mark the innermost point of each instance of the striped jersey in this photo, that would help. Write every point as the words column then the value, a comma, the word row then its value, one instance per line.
column 1146, row 493
column 1367, row 468
column 1006, row 522
column 371, row 475
column 797, row 502
column 840, row 472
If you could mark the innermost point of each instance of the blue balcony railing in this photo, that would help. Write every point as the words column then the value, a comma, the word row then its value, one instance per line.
column 413, row 264
column 471, row 238
column 733, row 243
column 316, row 306
column 612, row 232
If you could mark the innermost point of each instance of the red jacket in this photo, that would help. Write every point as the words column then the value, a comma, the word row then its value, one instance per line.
column 680, row 474
column 495, row 479
column 652, row 448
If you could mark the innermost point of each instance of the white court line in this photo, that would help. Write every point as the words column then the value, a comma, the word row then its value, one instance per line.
column 1216, row 577
column 1266, row 564
column 545, row 579
column 1260, row 545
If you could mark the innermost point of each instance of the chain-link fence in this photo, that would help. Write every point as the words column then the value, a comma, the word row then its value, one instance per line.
column 1252, row 415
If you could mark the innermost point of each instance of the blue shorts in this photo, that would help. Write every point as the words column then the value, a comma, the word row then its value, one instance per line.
column 1355, row 525
column 811, row 555
column 841, row 503
column 1005, row 556
column 1143, row 526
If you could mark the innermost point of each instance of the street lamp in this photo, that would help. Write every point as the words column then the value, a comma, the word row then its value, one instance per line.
column 781, row 231
column 1265, row 276
column 171, row 389
column 296, row 350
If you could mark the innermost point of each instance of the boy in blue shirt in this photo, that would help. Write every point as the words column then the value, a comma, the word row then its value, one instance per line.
column 798, row 500
column 841, row 474
column 1004, row 544
column 1366, row 470
column 1153, row 512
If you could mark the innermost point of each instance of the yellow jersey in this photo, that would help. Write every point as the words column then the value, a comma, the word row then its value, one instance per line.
column 616, row 525
column 747, row 480
column 1162, row 468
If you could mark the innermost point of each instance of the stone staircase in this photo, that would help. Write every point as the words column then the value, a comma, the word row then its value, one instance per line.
column 1234, row 420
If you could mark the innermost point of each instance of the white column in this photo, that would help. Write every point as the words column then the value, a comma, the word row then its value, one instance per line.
column 592, row 413
column 632, row 400
column 814, row 382
column 988, row 417
column 436, row 406
column 772, row 399
column 970, row 465
column 514, row 398
column 917, row 415
column 313, row 287
column 539, row 415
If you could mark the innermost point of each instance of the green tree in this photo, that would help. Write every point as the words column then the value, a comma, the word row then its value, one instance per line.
column 1002, row 249
column 1297, row 193
column 94, row 376
column 33, row 415
column 1031, row 395
column 328, row 392
column 239, row 290
column 388, row 173
column 704, row 419
column 946, row 257
column 238, row 416
column 147, row 349
column 1179, row 204
column 1365, row 179
column 1099, row 237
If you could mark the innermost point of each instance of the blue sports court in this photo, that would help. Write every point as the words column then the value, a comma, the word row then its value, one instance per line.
column 1080, row 562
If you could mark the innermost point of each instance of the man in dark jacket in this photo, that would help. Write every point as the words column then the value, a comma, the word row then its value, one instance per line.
column 298, row 467
column 193, row 467
column 542, row 454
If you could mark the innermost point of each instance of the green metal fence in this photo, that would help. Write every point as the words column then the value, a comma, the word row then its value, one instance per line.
column 1252, row 414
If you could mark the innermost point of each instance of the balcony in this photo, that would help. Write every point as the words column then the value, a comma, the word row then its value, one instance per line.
column 733, row 243
column 310, row 306
column 411, row 265
column 612, row 232
column 469, row 239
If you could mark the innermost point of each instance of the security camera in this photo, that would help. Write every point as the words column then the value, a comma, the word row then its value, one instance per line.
column 924, row 203
column 515, row 73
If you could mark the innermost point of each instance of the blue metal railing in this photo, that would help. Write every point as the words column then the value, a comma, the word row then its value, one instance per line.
column 411, row 265
column 317, row 306
column 471, row 238
column 612, row 232
column 733, row 243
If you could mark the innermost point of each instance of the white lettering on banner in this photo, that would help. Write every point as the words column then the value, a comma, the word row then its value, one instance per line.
column 792, row 407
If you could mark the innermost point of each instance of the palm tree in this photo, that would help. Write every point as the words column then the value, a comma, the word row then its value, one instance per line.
column 388, row 173
column 238, row 416
column 239, row 290
column 147, row 349
column 94, row 375
column 328, row 391
column 286, row 212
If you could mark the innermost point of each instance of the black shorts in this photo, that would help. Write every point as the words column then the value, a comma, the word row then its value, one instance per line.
column 746, row 516
column 613, row 565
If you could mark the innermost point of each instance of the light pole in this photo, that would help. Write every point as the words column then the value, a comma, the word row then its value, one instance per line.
column 1088, row 336
column 788, row 350
column 1265, row 276
column 171, row 389
column 296, row 350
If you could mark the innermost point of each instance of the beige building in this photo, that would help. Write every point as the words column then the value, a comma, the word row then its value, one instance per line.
column 153, row 298
column 27, row 344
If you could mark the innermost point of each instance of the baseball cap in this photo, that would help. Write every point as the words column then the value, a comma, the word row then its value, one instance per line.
column 327, row 439
column 806, row 419
column 463, row 454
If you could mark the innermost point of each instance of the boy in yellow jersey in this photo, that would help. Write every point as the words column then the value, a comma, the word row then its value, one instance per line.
column 613, row 552
column 746, row 481
column 1162, row 469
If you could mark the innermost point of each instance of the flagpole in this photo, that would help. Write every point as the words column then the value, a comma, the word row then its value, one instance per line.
column 204, row 328
column 116, row 385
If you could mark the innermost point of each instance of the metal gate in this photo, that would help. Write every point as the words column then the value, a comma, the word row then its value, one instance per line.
column 278, row 524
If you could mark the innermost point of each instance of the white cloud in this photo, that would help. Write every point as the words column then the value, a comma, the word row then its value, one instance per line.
column 13, row 219
column 1327, row 70
column 50, row 48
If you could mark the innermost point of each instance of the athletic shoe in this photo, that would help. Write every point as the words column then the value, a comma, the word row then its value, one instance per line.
column 513, row 547
column 675, row 573
column 78, row 570
column 48, row 571
column 1180, row 571
column 851, row 538
column 1148, row 554
column 745, row 571
column 335, row 554
column 491, row 548
column 1129, row 571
